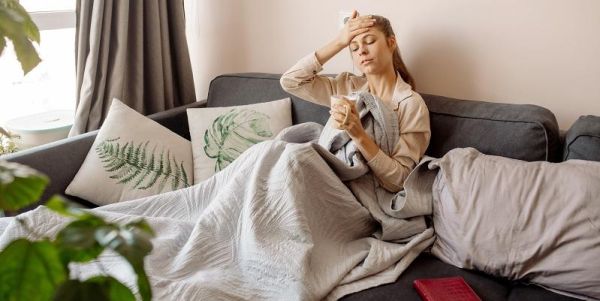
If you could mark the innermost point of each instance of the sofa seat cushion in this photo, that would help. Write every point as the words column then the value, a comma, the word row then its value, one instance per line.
column 427, row 266
column 534, row 293
column 583, row 139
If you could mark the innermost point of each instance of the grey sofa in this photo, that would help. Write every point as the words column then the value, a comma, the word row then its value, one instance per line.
column 526, row 132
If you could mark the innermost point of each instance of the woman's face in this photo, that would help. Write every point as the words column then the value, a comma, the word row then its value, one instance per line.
column 372, row 52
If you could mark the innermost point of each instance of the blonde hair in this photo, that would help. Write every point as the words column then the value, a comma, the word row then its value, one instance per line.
column 383, row 24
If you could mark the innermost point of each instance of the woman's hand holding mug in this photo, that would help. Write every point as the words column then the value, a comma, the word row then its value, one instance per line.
column 340, row 108
column 345, row 115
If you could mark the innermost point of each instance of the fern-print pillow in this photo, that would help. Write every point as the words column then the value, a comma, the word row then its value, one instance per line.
column 219, row 135
column 132, row 157
column 140, row 167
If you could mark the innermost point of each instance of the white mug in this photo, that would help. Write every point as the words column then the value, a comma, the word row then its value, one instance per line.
column 339, row 100
column 342, row 100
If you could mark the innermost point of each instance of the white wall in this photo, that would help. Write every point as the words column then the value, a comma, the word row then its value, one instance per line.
column 544, row 52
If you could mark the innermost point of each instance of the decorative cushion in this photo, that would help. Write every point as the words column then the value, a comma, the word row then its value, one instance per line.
column 583, row 139
column 132, row 157
column 532, row 221
column 219, row 135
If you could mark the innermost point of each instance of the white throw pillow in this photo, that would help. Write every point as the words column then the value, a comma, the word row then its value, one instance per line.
column 219, row 135
column 132, row 157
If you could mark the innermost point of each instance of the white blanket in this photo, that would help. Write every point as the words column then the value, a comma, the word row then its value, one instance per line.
column 276, row 224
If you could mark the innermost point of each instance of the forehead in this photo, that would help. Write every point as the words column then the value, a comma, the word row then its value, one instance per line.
column 362, row 36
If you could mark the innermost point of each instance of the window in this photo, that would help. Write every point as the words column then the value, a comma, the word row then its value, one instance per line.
column 51, row 85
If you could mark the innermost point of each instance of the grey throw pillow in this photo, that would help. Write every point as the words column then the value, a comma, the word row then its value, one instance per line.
column 533, row 221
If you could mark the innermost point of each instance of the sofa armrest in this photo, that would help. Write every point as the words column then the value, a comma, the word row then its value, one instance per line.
column 60, row 160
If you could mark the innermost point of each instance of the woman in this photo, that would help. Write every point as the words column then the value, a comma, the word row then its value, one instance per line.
column 374, row 51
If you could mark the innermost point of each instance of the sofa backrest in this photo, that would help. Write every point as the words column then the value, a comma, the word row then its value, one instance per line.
column 246, row 88
column 583, row 139
column 525, row 132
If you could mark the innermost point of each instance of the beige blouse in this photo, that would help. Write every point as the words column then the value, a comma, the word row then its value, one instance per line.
column 303, row 81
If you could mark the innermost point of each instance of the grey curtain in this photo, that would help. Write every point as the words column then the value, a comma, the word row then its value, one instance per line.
column 134, row 50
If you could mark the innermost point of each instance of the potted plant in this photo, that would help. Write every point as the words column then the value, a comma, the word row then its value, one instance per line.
column 40, row 268
column 7, row 142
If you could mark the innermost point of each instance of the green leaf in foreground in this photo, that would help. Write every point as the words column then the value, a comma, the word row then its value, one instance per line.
column 85, row 238
column 99, row 288
column 77, row 241
column 20, row 185
column 17, row 26
column 62, row 207
column 26, row 53
column 30, row 30
column 133, row 243
column 2, row 44
column 141, row 225
column 30, row 271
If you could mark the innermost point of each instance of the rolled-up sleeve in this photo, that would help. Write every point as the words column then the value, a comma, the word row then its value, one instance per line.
column 303, row 80
column 415, row 134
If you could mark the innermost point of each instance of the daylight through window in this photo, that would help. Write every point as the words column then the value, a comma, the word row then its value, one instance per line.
column 51, row 85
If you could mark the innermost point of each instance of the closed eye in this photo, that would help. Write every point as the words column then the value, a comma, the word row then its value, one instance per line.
column 355, row 47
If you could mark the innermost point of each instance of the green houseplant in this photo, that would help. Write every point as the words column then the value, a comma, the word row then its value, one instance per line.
column 16, row 25
column 40, row 269
column 7, row 143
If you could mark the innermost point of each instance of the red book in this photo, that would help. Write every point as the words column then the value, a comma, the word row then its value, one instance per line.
column 445, row 289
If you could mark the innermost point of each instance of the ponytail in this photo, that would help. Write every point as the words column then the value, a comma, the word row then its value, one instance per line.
column 383, row 24
column 401, row 68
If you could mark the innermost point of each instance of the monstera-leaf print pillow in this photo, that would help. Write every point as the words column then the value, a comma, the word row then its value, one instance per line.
column 219, row 135
column 132, row 157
